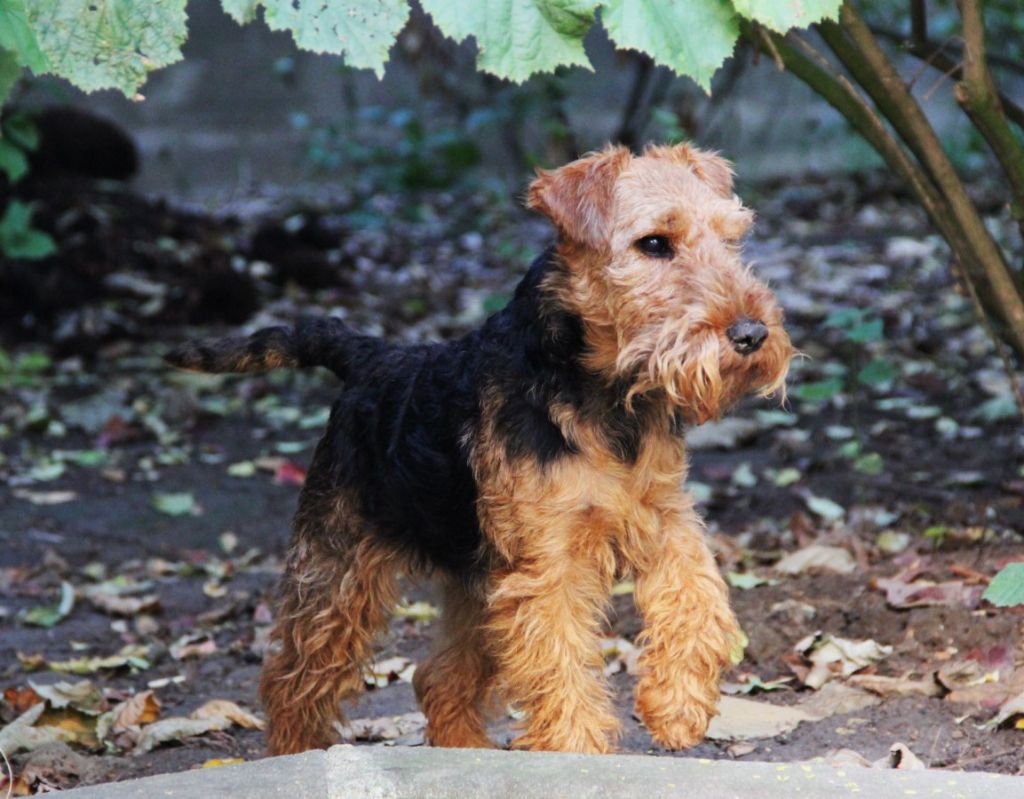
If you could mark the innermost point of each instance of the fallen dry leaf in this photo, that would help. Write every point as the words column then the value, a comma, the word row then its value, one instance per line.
column 80, row 727
column 21, row 699
column 133, row 655
column 387, row 728
column 120, row 599
column 139, row 710
column 193, row 645
column 741, row 719
column 177, row 728
column 897, row 686
column 289, row 473
column 45, row 497
column 900, row 757
column 825, row 656
column 817, row 556
column 923, row 593
column 21, row 735
column 228, row 710
column 620, row 655
column 384, row 672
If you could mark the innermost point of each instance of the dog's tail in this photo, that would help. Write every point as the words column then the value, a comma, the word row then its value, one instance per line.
column 315, row 342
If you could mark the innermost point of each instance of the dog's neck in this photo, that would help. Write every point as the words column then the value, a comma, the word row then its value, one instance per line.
column 563, row 348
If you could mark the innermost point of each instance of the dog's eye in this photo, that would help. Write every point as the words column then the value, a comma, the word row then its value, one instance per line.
column 655, row 246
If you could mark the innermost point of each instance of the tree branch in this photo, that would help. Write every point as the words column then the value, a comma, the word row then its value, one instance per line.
column 838, row 92
column 984, row 262
column 977, row 95
column 932, row 54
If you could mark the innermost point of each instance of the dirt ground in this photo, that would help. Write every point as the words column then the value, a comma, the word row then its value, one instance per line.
column 161, row 501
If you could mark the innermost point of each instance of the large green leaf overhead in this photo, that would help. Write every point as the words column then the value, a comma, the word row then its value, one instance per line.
column 17, row 37
column 99, row 44
column 690, row 37
column 103, row 44
column 241, row 11
column 360, row 30
column 781, row 15
column 518, row 38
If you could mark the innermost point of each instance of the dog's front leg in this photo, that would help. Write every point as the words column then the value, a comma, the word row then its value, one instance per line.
column 689, row 630
column 545, row 621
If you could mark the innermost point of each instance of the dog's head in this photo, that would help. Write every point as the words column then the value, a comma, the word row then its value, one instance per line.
column 651, row 246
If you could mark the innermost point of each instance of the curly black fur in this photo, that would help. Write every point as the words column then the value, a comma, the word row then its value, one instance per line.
column 401, row 431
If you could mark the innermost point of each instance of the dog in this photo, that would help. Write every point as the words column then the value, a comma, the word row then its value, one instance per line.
column 529, row 465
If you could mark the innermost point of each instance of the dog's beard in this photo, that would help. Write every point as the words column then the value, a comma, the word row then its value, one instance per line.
column 698, row 372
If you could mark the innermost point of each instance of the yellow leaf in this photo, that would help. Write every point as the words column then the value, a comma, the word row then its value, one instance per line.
column 216, row 762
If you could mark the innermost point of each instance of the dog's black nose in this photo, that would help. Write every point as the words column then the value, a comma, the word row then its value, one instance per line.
column 747, row 335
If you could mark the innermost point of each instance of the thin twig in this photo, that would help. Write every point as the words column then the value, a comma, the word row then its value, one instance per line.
column 933, row 54
column 10, row 774
column 955, row 69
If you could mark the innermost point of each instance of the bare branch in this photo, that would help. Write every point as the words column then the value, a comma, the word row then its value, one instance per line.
column 977, row 95
column 933, row 54
column 984, row 262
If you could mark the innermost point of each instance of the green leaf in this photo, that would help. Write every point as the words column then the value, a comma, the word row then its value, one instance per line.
column 877, row 372
column 747, row 580
column 363, row 31
column 845, row 318
column 18, row 239
column 996, row 409
column 517, row 38
column 241, row 11
column 103, row 44
column 821, row 390
column 174, row 504
column 781, row 15
column 690, row 37
column 869, row 463
column 13, row 161
column 16, row 36
column 869, row 330
column 1007, row 587
column 50, row 615
column 827, row 509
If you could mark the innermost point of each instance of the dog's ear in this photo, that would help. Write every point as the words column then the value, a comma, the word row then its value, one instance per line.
column 709, row 167
column 578, row 197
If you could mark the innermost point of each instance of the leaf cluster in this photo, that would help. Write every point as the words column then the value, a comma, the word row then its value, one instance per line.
column 98, row 44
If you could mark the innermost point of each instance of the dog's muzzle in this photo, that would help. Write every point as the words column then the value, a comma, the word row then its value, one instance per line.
column 747, row 335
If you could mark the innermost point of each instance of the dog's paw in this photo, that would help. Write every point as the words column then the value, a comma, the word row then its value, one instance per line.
column 680, row 732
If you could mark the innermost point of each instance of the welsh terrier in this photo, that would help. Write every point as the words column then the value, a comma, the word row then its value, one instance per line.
column 529, row 465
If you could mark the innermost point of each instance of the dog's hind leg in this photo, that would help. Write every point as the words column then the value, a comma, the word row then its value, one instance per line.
column 337, row 594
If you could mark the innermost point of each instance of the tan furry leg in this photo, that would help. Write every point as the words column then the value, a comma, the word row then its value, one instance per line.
column 452, row 686
column 688, row 634
column 545, row 623
column 332, row 608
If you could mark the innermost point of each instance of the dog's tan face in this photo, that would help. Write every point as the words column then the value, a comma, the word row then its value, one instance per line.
column 652, row 244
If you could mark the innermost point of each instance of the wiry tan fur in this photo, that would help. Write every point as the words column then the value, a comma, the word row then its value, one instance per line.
column 558, row 535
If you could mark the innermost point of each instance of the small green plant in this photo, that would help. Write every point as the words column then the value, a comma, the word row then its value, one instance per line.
column 18, row 239
column 858, row 326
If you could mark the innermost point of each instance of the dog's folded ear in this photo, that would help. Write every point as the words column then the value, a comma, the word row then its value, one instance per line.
column 578, row 197
column 707, row 165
